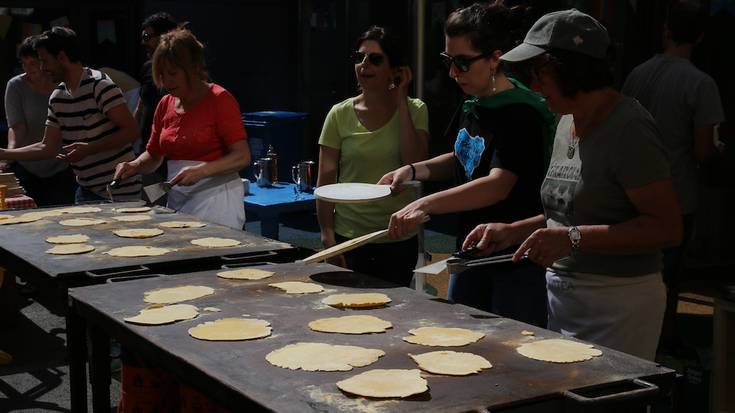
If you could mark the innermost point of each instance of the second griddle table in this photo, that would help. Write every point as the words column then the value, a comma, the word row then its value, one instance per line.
column 236, row 374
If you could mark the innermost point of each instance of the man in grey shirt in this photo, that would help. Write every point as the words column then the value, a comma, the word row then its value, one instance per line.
column 685, row 103
column 48, row 181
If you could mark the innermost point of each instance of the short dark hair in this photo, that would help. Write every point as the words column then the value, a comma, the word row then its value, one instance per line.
column 60, row 39
column 577, row 72
column 392, row 46
column 160, row 22
column 490, row 26
column 686, row 21
column 27, row 47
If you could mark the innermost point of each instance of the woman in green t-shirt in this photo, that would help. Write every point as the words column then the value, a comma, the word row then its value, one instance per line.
column 364, row 137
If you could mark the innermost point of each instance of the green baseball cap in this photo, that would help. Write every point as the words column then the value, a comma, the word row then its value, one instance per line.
column 566, row 29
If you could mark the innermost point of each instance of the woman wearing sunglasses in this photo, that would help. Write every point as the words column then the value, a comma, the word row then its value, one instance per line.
column 364, row 137
column 608, row 198
column 497, row 164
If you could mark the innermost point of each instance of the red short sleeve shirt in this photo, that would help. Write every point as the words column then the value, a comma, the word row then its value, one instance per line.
column 201, row 134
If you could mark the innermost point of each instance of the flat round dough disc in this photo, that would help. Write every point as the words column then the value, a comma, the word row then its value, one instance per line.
column 138, row 232
column 558, row 350
column 68, row 239
column 21, row 219
column 182, row 224
column 137, row 251
column 298, row 287
column 164, row 315
column 366, row 300
column 81, row 222
column 351, row 324
column 133, row 210
column 385, row 383
column 132, row 218
column 43, row 214
column 443, row 336
column 352, row 192
column 176, row 294
column 80, row 210
column 68, row 249
column 245, row 274
column 451, row 363
column 231, row 329
column 215, row 242
column 322, row 357
column 2, row 217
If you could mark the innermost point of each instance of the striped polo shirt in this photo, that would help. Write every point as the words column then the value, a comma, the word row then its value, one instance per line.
column 82, row 118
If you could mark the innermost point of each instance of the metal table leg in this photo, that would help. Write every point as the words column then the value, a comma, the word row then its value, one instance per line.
column 76, row 350
column 99, row 369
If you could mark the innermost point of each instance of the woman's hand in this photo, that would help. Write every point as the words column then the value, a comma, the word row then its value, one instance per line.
column 396, row 178
column 407, row 219
column 125, row 170
column 489, row 238
column 190, row 175
column 401, row 88
column 545, row 246
column 328, row 240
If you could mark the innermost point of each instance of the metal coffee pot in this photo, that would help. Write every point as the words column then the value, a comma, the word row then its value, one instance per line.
column 263, row 169
column 304, row 175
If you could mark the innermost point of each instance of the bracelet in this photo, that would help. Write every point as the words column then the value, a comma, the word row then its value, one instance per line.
column 413, row 172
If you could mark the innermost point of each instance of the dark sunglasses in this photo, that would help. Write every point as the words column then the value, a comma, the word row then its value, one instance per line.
column 462, row 63
column 375, row 59
column 146, row 36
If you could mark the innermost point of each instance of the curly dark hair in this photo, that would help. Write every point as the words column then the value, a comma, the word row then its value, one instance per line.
column 160, row 22
column 60, row 39
column 392, row 46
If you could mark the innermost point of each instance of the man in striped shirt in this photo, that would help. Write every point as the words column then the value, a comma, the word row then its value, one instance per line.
column 88, row 125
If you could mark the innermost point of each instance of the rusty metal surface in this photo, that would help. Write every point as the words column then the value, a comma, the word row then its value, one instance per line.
column 240, row 367
column 27, row 242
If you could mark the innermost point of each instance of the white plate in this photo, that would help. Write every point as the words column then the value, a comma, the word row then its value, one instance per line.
column 352, row 192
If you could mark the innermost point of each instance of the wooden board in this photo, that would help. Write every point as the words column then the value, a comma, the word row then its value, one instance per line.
column 341, row 248
column 352, row 192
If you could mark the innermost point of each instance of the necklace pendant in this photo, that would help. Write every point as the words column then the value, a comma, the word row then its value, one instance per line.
column 570, row 152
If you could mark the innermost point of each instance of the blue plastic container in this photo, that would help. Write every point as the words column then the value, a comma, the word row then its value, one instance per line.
column 283, row 130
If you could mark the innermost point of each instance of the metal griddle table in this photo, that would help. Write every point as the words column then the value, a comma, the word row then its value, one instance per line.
column 236, row 374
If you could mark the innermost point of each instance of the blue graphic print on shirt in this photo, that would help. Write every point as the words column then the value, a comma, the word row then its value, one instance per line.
column 468, row 149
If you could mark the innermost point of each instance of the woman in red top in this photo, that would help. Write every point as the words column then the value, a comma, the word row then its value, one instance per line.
column 198, row 128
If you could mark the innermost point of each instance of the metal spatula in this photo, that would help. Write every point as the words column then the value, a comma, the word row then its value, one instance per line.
column 154, row 192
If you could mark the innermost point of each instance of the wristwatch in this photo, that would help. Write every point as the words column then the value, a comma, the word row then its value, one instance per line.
column 575, row 236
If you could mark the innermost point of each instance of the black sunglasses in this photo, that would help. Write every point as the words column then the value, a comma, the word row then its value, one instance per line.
column 146, row 36
column 462, row 63
column 375, row 59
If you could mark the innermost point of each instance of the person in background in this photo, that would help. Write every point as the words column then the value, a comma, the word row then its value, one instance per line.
column 48, row 181
column 685, row 102
column 609, row 205
column 153, row 27
column 198, row 130
column 88, row 124
column 364, row 137
column 498, row 163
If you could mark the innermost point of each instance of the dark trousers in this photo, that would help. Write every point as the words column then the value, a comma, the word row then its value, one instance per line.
column 390, row 261
column 672, row 274
column 57, row 189
column 510, row 290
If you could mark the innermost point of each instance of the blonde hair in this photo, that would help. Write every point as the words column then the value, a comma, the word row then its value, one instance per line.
column 182, row 49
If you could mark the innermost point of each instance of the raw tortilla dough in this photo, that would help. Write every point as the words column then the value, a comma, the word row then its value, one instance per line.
column 43, row 214
column 80, row 210
column 2, row 217
column 451, row 363
column 176, row 294
column 133, row 210
column 21, row 219
column 164, row 315
column 81, row 222
column 527, row 333
column 138, row 232
column 215, row 242
column 68, row 249
column 245, row 274
column 322, row 357
column 558, row 351
column 298, row 287
column 132, row 218
column 182, row 224
column 68, row 239
column 385, row 383
column 367, row 300
column 231, row 329
column 137, row 251
column 443, row 336
column 351, row 324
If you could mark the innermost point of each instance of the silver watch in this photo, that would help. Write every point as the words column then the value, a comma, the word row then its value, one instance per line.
column 575, row 236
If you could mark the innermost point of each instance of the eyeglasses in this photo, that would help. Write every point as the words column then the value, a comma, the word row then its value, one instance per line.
column 375, row 59
column 462, row 63
column 146, row 36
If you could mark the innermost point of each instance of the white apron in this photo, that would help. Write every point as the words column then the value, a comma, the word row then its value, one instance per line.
column 217, row 199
